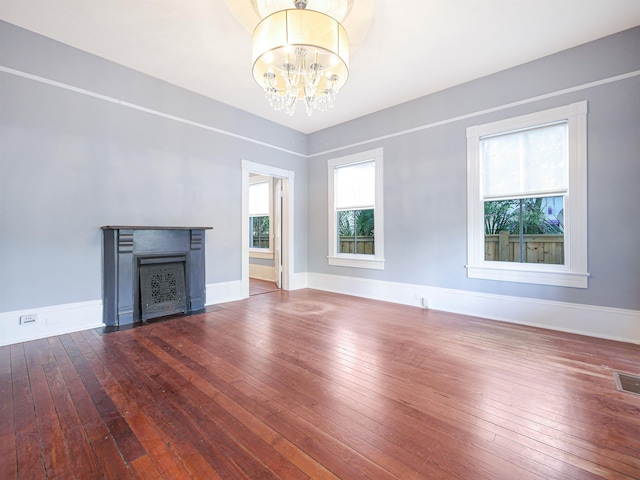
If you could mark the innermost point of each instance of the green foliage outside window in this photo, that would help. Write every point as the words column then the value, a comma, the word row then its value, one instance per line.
column 356, row 231
column 504, row 215
column 355, row 222
column 259, row 231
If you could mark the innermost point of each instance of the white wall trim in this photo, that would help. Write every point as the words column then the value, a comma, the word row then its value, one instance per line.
column 52, row 320
column 466, row 116
column 74, row 317
column 299, row 281
column 602, row 322
column 223, row 292
column 557, row 93
column 133, row 106
column 595, row 321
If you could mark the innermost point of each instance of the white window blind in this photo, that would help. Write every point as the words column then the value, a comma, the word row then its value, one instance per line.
column 259, row 199
column 355, row 186
column 526, row 163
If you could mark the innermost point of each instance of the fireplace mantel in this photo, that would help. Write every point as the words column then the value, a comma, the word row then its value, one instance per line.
column 139, row 227
column 125, row 247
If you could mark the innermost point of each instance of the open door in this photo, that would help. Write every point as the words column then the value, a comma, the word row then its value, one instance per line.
column 277, row 230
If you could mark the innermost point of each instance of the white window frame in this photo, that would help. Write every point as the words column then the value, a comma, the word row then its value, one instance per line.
column 574, row 272
column 357, row 260
column 266, row 253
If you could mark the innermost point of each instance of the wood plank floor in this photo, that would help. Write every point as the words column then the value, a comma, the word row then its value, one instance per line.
column 258, row 287
column 309, row 384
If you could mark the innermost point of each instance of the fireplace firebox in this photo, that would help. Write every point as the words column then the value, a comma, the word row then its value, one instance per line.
column 151, row 272
column 162, row 287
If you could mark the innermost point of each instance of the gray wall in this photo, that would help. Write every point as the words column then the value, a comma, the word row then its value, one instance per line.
column 425, row 173
column 71, row 163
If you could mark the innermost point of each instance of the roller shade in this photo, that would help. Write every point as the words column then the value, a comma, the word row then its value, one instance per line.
column 526, row 163
column 355, row 186
column 259, row 199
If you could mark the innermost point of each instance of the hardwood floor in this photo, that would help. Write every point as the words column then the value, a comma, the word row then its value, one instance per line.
column 258, row 287
column 309, row 384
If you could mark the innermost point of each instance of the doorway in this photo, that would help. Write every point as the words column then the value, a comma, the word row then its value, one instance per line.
column 265, row 233
column 278, row 257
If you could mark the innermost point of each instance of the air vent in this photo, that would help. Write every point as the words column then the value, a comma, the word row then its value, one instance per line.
column 627, row 382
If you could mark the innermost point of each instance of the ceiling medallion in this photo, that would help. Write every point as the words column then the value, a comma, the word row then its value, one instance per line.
column 338, row 9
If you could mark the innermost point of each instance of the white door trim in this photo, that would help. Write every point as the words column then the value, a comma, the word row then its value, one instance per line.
column 287, row 177
column 277, row 234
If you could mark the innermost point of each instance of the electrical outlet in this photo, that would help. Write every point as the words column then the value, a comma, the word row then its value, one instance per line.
column 25, row 319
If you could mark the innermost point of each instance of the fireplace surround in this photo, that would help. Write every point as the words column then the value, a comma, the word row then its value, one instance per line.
column 172, row 262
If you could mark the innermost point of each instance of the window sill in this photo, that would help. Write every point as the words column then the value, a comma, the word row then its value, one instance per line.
column 541, row 275
column 357, row 261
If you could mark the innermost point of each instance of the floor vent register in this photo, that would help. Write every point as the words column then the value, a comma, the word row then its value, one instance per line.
column 627, row 382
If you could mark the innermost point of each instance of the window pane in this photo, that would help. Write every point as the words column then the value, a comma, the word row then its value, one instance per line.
column 525, row 230
column 356, row 231
column 259, row 199
column 527, row 162
column 259, row 232
column 355, row 185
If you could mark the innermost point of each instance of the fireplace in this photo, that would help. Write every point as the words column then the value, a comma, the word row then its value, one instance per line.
column 151, row 272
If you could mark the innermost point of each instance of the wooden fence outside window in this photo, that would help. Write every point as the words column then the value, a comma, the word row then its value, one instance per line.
column 505, row 247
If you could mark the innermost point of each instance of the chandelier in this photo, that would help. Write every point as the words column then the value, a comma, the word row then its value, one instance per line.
column 300, row 54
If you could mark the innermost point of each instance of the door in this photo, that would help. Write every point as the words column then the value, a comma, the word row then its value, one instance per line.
column 277, row 230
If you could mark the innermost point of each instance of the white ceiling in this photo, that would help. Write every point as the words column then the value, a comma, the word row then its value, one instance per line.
column 401, row 49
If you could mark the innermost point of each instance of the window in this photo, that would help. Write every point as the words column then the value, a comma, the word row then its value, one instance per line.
column 259, row 213
column 525, row 178
column 527, row 198
column 355, row 211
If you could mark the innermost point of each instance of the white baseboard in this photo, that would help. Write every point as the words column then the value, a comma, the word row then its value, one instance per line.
column 602, row 322
column 53, row 320
column 298, row 281
column 74, row 317
column 223, row 292
column 262, row 272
